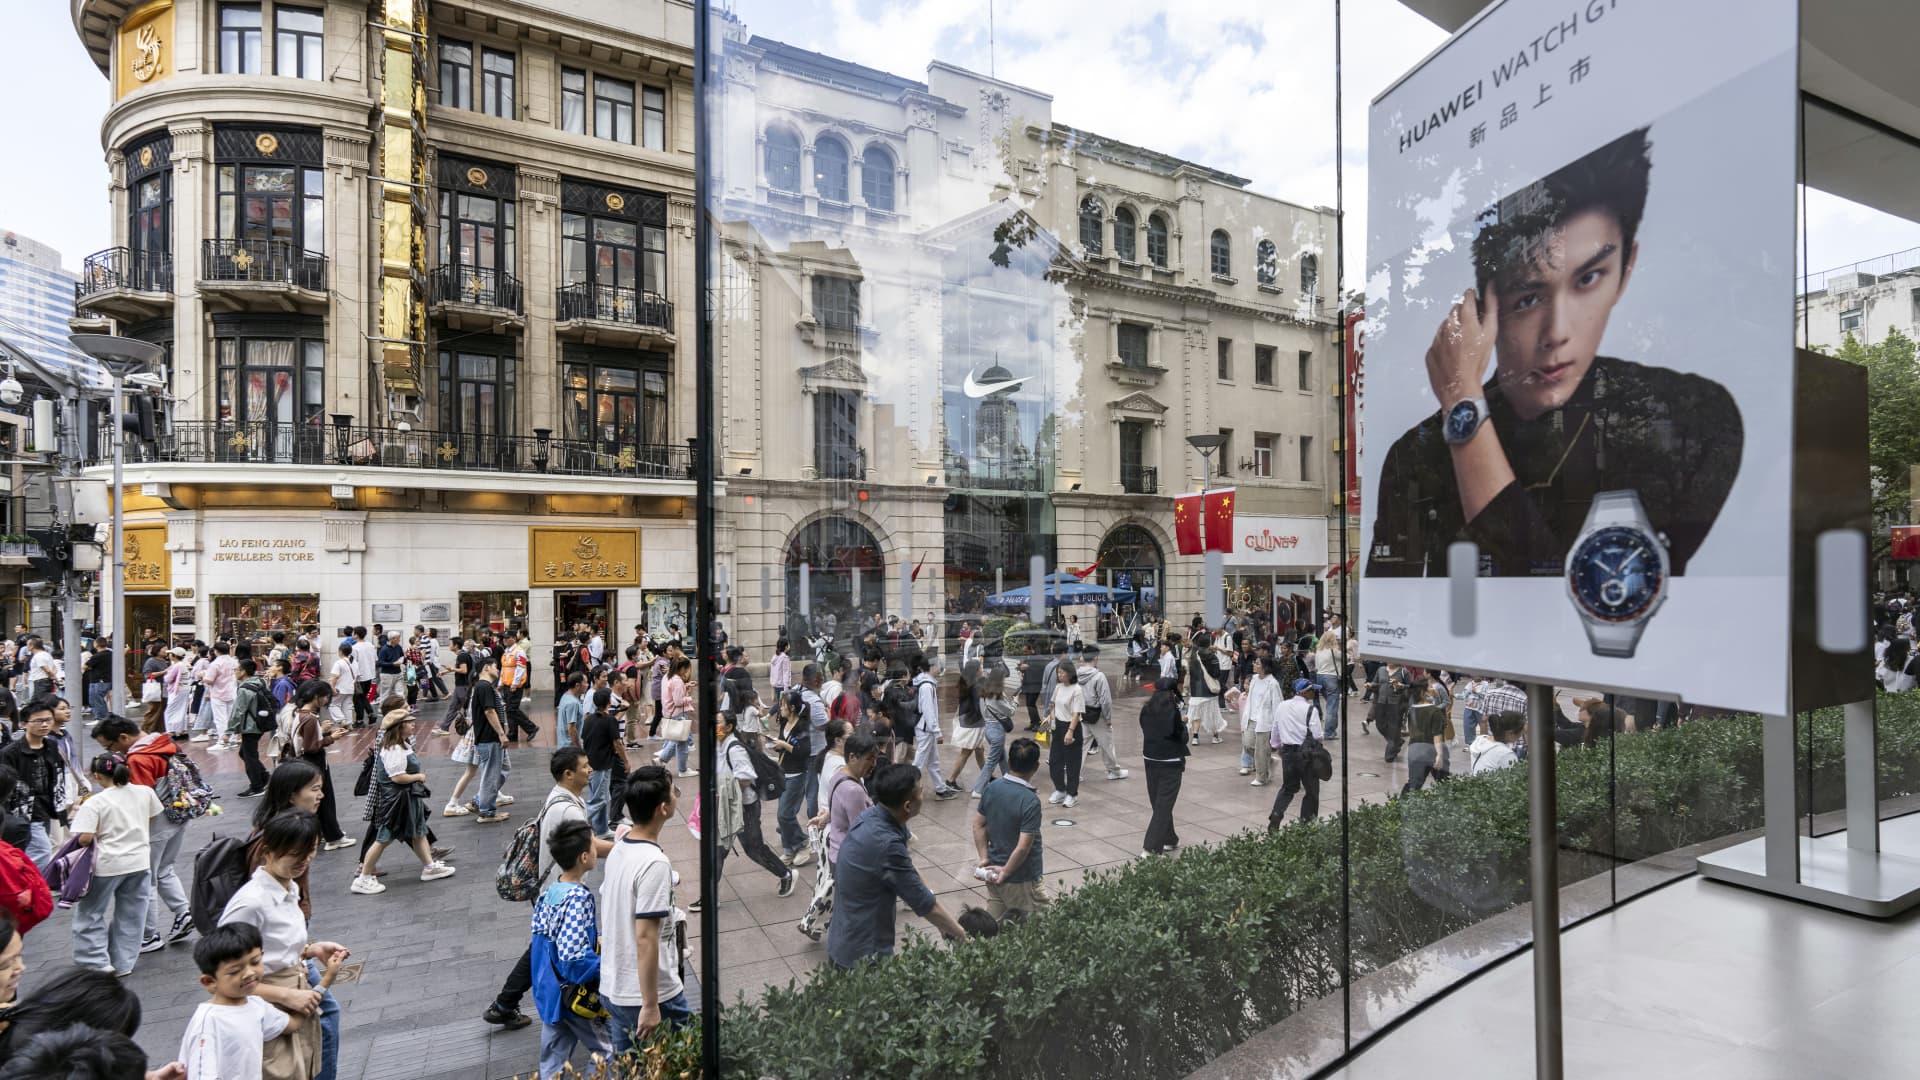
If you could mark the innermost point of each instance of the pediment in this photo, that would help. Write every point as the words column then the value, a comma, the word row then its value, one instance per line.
column 841, row 370
column 1139, row 403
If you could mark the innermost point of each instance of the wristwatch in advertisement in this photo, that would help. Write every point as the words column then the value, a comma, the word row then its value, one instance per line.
column 1463, row 421
column 1616, row 573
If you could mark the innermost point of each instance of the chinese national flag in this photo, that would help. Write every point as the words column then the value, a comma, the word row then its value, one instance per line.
column 1186, row 524
column 1220, row 521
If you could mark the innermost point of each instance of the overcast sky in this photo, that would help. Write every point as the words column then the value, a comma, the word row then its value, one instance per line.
column 1240, row 85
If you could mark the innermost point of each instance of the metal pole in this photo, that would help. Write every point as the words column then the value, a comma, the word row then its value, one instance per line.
column 1542, row 812
column 705, row 512
column 117, row 579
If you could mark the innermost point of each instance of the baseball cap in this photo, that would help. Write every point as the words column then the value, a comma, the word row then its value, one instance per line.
column 1301, row 686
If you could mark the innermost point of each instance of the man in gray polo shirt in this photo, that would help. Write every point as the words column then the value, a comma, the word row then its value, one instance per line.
column 1006, row 834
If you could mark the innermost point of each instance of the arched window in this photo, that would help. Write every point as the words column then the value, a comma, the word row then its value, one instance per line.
column 830, row 169
column 876, row 178
column 1125, row 226
column 1222, row 253
column 1309, row 276
column 783, row 160
column 845, row 578
column 1091, row 211
column 1157, row 240
column 1133, row 557
column 1266, row 263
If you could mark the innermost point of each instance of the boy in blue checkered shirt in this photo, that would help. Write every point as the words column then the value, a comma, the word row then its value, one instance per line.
column 566, row 950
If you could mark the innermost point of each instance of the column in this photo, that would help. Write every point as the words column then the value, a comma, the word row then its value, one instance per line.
column 348, row 232
column 193, row 176
column 539, row 240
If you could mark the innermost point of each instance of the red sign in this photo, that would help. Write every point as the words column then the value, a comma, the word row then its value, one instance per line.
column 1204, row 522
column 1355, row 384
column 1906, row 541
column 1220, row 521
column 1186, row 524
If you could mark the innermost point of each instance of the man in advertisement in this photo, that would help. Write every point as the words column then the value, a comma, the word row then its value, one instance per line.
column 1514, row 462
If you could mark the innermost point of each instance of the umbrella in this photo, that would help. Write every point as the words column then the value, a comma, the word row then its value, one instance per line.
column 1062, row 590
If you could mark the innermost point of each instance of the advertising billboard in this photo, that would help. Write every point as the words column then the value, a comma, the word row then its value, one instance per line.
column 1579, row 350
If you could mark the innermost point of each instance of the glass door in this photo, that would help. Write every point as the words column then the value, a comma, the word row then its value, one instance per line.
column 150, row 236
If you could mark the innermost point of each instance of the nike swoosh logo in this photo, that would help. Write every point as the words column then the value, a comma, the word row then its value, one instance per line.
column 976, row 389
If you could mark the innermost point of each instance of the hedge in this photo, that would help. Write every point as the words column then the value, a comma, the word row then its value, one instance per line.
column 1158, row 967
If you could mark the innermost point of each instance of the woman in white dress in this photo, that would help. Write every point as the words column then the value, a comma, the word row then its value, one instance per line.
column 179, row 690
column 969, row 724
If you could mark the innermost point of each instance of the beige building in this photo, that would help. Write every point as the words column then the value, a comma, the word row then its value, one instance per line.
column 425, row 288
column 954, row 331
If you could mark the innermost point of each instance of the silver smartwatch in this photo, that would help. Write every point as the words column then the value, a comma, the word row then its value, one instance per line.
column 1616, row 573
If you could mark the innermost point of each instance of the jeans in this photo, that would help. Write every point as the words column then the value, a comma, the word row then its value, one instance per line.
column 1093, row 726
column 1064, row 758
column 598, row 788
column 108, row 922
column 489, row 757
column 792, row 837
column 1163, row 790
column 250, row 757
column 329, row 1026
column 1470, row 723
column 1332, row 699
column 165, row 894
column 625, row 1021
column 996, row 755
column 1422, row 759
column 814, row 765
column 673, row 750
column 753, row 844
column 559, row 1041
column 926, row 757
column 1296, row 772
column 39, row 847
column 97, row 699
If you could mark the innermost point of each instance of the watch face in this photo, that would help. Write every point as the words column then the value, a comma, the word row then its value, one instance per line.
column 1462, row 421
column 1616, row 573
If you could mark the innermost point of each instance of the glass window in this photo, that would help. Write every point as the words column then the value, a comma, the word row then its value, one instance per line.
column 1306, row 370
column 1221, row 253
column 876, row 178
column 836, row 302
column 1267, row 263
column 836, row 434
column 496, row 83
column 783, row 160
column 612, row 109
column 1306, row 457
column 830, row 169
column 1224, row 463
column 1263, row 454
column 476, row 231
column 296, row 42
column 1091, row 211
column 240, row 39
column 1263, row 365
column 1157, row 241
column 1133, row 344
column 271, row 203
column 1125, row 238
column 653, row 118
column 1223, row 359
column 1309, row 276
column 653, row 256
column 271, row 391
column 1851, row 320
column 610, row 402
column 573, row 101
column 476, row 398
column 456, row 74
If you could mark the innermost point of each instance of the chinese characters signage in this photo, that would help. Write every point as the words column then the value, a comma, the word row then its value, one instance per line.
column 565, row 557
column 146, row 553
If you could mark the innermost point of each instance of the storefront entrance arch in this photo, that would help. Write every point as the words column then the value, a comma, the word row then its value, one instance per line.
column 1131, row 558
column 845, row 579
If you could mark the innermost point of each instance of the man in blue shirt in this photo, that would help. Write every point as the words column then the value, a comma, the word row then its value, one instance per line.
column 1006, row 834
column 875, row 871
column 568, row 713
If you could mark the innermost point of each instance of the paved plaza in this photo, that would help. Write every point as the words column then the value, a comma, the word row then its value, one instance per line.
column 429, row 956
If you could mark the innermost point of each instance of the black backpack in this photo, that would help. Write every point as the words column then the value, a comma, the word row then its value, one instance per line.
column 265, row 718
column 218, row 872
column 768, row 780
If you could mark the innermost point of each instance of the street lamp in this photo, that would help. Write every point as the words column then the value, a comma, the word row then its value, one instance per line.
column 1212, row 565
column 122, row 358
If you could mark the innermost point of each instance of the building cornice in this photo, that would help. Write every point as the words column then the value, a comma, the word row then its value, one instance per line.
column 217, row 99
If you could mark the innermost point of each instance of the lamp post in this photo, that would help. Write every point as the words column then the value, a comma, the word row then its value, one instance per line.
column 120, row 357
column 1213, row 566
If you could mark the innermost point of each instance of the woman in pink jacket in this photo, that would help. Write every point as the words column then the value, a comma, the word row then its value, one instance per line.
column 674, row 704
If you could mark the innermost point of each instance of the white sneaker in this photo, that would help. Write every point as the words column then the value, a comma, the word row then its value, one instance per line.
column 1118, row 774
column 366, row 885
column 1246, row 772
column 976, row 794
column 336, row 845
column 503, row 800
column 203, row 737
column 1258, row 783
column 434, row 871
column 1216, row 740
column 455, row 811
column 1057, row 798
column 1067, row 802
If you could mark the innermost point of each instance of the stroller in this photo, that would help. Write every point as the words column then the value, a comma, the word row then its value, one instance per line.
column 814, row 922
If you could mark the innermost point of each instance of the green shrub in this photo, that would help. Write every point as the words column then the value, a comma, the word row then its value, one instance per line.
column 1160, row 966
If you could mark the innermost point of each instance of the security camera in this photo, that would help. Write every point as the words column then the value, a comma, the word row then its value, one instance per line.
column 11, row 392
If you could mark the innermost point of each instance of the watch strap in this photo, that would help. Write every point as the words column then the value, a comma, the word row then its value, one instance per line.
column 1614, row 639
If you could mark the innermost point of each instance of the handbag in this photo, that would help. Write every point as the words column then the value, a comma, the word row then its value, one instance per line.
column 151, row 691
column 676, row 728
column 463, row 750
column 580, row 999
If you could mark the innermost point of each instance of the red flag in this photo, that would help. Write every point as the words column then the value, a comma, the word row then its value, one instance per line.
column 917, row 566
column 1088, row 572
column 1186, row 524
column 1220, row 521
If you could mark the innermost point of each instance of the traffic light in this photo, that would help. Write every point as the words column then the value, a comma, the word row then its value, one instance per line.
column 56, row 554
column 138, row 420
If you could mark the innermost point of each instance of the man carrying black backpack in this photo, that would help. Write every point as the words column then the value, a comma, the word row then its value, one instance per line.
column 253, row 715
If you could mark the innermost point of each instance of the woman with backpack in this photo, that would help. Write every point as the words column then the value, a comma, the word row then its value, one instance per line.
column 306, row 737
column 150, row 758
column 399, row 805
column 116, row 822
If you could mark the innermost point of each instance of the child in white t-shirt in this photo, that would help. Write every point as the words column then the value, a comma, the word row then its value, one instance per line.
column 227, row 1035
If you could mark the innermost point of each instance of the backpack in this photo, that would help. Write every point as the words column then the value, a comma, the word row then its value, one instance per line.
column 182, row 793
column 768, row 780
column 264, row 716
column 218, row 872
column 18, row 878
column 284, row 743
column 519, row 878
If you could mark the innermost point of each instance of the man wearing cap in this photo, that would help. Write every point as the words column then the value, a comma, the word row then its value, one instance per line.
column 387, row 664
column 1297, row 720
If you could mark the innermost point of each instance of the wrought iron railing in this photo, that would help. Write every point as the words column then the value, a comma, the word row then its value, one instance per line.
column 841, row 463
column 264, row 262
column 124, row 268
column 482, row 286
column 610, row 303
column 320, row 442
column 1140, row 479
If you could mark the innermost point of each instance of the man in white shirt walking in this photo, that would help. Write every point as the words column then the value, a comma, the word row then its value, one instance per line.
column 1099, row 703
column 1297, row 720
column 366, row 670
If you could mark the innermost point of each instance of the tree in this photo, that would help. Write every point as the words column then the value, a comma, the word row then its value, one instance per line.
column 1893, row 426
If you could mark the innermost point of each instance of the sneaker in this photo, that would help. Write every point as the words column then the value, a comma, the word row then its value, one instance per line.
column 696, row 907
column 946, row 793
column 786, row 884
column 455, row 811
column 803, row 857
column 434, row 871
column 685, row 773
column 440, row 852
column 153, row 944
column 1068, row 802
column 1118, row 774
column 251, row 793
column 1057, row 798
column 511, row 1019
column 1216, row 740
column 1258, row 783
column 503, row 800
column 489, row 819
column 366, row 885
column 336, row 845
column 976, row 794
column 1196, row 740
column 182, row 927
column 202, row 737
column 1246, row 772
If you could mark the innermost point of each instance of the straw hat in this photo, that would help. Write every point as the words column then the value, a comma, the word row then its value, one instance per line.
column 397, row 716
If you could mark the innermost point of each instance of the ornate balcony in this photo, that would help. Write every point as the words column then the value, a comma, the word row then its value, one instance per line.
column 475, row 297
column 610, row 315
column 262, row 275
column 122, row 283
column 1139, row 479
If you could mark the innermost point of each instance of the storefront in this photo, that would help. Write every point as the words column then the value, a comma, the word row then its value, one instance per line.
column 1273, row 574
column 483, row 612
column 584, row 567
column 250, row 616
column 149, row 581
